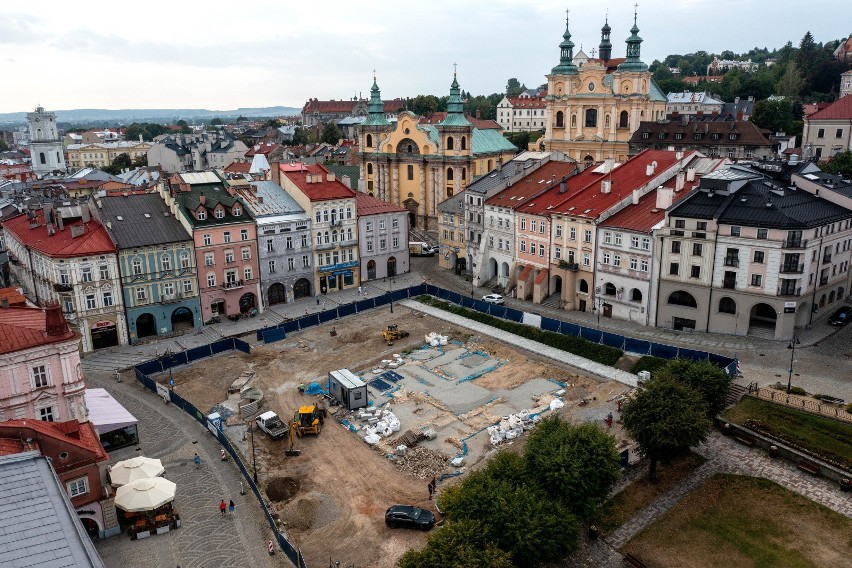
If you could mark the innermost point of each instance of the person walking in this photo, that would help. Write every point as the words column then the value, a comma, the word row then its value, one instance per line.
column 231, row 507
column 222, row 507
column 360, row 290
column 197, row 460
column 432, row 486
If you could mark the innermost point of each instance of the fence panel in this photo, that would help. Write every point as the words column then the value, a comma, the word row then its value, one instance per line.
column 663, row 351
column 593, row 335
column 550, row 324
column 399, row 295
column 290, row 326
column 692, row 354
column 308, row 321
column 174, row 360
column 382, row 300
column 364, row 305
column 613, row 340
column 198, row 353
column 327, row 315
column 273, row 335
column 346, row 310
column 640, row 346
column 221, row 346
column 259, row 332
column 241, row 345
column 452, row 297
column 150, row 367
column 418, row 290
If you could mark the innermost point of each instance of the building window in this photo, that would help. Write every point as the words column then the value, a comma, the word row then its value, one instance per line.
column 370, row 246
column 247, row 272
column 169, row 289
column 697, row 249
column 304, row 241
column 558, row 229
column 541, row 250
column 201, row 215
column 735, row 231
column 410, row 169
column 78, row 487
column 396, row 242
column 272, row 267
column 606, row 258
column 91, row 304
column 632, row 263
column 675, row 247
column 227, row 236
column 63, row 278
column 523, row 224
column 758, row 256
column 646, row 243
column 839, row 133
column 306, row 261
column 572, row 233
column 86, row 275
column 107, row 299
column 557, row 252
column 587, row 259
column 137, row 266
column 104, row 270
column 229, row 256
column 523, row 246
column 243, row 234
column 208, row 239
column 541, row 227
column 291, row 263
column 187, row 286
column 634, row 242
column 46, row 414
column 821, row 133
column 762, row 233
column 608, row 238
column 166, row 262
column 727, row 306
column 674, row 268
column 395, row 223
column 383, row 244
column 247, row 253
column 616, row 260
column 644, row 265
column 756, row 279
column 211, row 280
column 591, row 117
column 695, row 271
column 269, row 246
column 220, row 213
column 40, row 377
column 587, row 236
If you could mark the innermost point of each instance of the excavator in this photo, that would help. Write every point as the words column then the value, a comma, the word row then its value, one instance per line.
column 393, row 333
column 307, row 420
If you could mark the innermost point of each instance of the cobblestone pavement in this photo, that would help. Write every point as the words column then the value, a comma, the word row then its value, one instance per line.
column 204, row 538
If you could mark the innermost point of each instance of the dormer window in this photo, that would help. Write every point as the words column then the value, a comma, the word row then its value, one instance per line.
column 732, row 136
column 715, row 137
column 698, row 136
column 646, row 135
column 661, row 135
column 678, row 136
column 201, row 214
column 220, row 213
column 236, row 211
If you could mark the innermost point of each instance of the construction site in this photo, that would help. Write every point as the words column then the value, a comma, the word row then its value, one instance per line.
column 371, row 408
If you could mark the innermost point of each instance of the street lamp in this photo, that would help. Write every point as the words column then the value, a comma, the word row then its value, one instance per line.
column 793, row 342
column 253, row 459
column 391, row 282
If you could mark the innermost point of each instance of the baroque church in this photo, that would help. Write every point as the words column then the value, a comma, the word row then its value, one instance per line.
column 417, row 165
column 594, row 104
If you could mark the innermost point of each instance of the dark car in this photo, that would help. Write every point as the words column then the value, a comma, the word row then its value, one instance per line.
column 408, row 516
column 841, row 316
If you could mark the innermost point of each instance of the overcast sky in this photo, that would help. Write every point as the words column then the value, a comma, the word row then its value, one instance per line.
column 224, row 55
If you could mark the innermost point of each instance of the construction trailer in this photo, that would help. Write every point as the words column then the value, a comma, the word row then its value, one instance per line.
column 349, row 390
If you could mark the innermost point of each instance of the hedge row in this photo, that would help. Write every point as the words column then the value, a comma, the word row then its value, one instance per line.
column 593, row 351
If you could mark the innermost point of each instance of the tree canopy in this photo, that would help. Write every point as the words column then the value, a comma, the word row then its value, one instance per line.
column 514, row 88
column 840, row 164
column 710, row 381
column 777, row 116
column 216, row 121
column 666, row 418
column 330, row 134
column 458, row 544
column 148, row 130
column 119, row 163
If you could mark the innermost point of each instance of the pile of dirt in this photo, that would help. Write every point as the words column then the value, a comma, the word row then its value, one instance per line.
column 356, row 336
column 282, row 488
column 422, row 463
column 311, row 511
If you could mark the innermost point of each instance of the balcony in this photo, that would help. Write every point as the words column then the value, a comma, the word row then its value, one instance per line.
column 63, row 287
column 676, row 233
column 170, row 298
column 232, row 284
column 789, row 291
column 792, row 268
column 795, row 243
column 732, row 261
column 327, row 246
column 572, row 266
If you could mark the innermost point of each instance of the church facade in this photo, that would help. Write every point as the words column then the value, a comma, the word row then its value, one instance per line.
column 595, row 104
column 417, row 165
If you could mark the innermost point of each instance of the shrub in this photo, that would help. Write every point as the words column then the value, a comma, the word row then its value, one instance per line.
column 647, row 363
column 593, row 351
column 799, row 391
column 849, row 408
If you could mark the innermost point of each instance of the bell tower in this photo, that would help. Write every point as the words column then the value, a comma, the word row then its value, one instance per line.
column 45, row 146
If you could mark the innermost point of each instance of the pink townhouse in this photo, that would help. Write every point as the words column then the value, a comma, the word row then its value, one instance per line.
column 225, row 238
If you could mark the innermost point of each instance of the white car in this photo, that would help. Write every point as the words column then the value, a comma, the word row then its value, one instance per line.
column 493, row 299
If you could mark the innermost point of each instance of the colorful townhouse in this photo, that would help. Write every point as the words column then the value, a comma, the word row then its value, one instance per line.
column 382, row 238
column 65, row 256
column 334, row 227
column 157, row 265
column 224, row 235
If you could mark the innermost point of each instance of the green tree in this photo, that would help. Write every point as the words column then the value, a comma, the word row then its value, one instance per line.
column 666, row 418
column 711, row 382
column 517, row 515
column 184, row 126
column 140, row 161
column 458, row 544
column 3, row 146
column 791, row 82
column 241, row 118
column 777, row 116
column 216, row 122
column 423, row 105
column 514, row 88
column 301, row 136
column 330, row 134
column 840, row 164
column 577, row 465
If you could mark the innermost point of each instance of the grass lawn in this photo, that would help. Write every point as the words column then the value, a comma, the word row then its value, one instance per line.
column 824, row 436
column 642, row 493
column 736, row 521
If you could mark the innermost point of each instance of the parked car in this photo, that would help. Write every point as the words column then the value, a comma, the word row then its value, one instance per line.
column 841, row 316
column 493, row 298
column 409, row 516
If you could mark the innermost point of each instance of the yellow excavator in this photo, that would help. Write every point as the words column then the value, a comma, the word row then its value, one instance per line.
column 392, row 333
column 307, row 420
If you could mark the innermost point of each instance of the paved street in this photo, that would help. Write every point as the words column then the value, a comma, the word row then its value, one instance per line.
column 204, row 539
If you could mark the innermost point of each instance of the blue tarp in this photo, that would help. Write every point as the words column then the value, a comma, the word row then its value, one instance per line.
column 613, row 340
column 550, row 324
column 273, row 335
column 639, row 346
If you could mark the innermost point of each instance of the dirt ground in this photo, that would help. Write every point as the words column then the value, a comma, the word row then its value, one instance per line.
column 333, row 496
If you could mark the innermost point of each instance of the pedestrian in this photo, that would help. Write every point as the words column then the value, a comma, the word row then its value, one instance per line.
column 609, row 420
column 197, row 460
column 231, row 507
column 318, row 300
column 432, row 485
column 222, row 507
column 301, row 388
column 306, row 311
column 360, row 290
column 620, row 401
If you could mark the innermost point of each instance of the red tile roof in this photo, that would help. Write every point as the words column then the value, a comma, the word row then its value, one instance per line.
column 369, row 205
column 266, row 148
column 839, row 109
column 13, row 296
column 527, row 102
column 480, row 123
column 589, row 201
column 533, row 185
column 83, row 436
column 320, row 190
column 10, row 446
column 238, row 167
column 644, row 215
column 24, row 328
column 347, row 106
column 94, row 240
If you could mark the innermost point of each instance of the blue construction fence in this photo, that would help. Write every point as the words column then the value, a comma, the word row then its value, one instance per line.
column 629, row 344
column 143, row 372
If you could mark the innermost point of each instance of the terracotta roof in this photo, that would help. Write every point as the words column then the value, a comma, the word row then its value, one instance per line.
column 644, row 215
column 347, row 106
column 527, row 102
column 320, row 190
column 13, row 296
column 839, row 109
column 810, row 108
column 747, row 133
column 590, row 201
column 11, row 446
column 94, row 240
column 24, row 328
column 238, row 167
column 369, row 205
column 480, row 123
column 82, row 435
column 535, row 184
column 266, row 148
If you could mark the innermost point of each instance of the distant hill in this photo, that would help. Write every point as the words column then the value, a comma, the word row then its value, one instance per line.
column 94, row 116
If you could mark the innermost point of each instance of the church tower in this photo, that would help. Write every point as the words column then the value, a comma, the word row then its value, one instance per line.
column 605, row 48
column 45, row 146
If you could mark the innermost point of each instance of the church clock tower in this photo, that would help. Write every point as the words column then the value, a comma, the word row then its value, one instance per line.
column 45, row 146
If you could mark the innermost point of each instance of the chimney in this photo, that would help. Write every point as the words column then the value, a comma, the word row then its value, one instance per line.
column 77, row 230
column 606, row 186
column 85, row 214
column 739, row 115
column 609, row 165
column 55, row 322
column 309, row 178
column 664, row 197
column 347, row 181
column 736, row 100
column 329, row 176
column 636, row 196
column 690, row 174
column 4, row 303
column 202, row 199
column 563, row 187
column 140, row 138
column 649, row 169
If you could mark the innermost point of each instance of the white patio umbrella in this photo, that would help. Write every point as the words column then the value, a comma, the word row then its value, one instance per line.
column 144, row 494
column 139, row 467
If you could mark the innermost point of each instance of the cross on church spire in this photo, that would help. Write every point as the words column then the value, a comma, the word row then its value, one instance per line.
column 455, row 68
column 635, row 10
